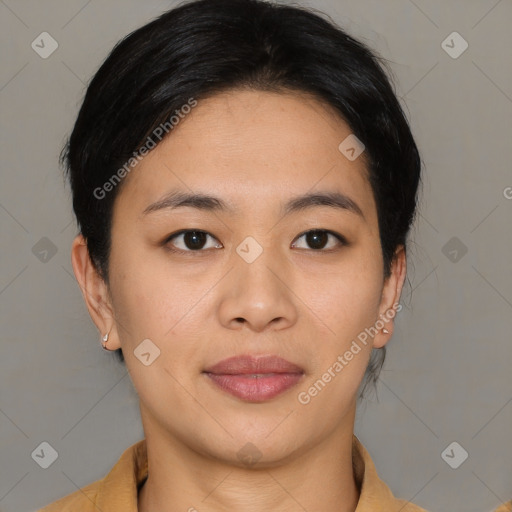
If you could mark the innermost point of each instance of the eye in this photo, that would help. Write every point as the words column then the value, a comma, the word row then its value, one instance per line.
column 190, row 241
column 318, row 239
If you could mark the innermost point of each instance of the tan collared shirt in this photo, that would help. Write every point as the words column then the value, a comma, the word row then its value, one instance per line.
column 118, row 490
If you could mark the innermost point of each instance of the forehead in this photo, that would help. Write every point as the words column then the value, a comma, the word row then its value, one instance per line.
column 251, row 146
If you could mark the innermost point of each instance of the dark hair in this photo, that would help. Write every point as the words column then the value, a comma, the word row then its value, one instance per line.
column 204, row 47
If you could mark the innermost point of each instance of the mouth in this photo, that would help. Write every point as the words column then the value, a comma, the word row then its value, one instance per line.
column 254, row 379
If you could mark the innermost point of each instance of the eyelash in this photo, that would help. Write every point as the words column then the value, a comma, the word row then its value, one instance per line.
column 342, row 241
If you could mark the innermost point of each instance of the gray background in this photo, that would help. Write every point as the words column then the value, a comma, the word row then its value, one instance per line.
column 447, row 376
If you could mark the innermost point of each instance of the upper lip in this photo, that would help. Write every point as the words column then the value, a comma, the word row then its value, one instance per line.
column 246, row 364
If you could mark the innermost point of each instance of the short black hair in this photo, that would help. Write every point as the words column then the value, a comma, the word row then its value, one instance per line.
column 204, row 47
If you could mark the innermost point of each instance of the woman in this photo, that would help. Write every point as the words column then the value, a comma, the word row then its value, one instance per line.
column 244, row 181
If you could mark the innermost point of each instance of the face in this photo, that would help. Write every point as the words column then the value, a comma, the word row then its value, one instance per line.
column 259, row 268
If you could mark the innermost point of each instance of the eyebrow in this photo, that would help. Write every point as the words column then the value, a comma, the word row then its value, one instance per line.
column 179, row 199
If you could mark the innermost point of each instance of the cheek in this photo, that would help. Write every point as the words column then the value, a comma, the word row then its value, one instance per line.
column 347, row 299
column 156, row 301
column 151, row 303
column 348, row 306
column 149, row 295
column 347, row 302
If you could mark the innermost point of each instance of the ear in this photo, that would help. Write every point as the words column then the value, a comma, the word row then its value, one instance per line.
column 95, row 292
column 390, row 298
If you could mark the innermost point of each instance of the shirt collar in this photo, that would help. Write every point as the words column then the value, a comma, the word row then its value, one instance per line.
column 119, row 489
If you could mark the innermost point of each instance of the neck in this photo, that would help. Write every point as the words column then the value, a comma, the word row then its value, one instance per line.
column 182, row 479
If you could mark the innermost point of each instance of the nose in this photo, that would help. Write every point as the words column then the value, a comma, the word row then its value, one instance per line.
column 257, row 295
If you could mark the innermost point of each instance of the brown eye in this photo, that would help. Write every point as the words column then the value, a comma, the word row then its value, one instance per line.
column 318, row 239
column 191, row 240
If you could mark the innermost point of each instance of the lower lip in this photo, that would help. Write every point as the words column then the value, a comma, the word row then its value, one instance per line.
column 256, row 389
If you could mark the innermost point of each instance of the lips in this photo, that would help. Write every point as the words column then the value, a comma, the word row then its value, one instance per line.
column 247, row 365
column 254, row 379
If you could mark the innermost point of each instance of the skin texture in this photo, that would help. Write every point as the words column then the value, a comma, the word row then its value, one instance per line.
column 255, row 150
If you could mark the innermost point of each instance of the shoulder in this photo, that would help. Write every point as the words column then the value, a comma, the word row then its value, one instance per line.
column 82, row 500
column 375, row 495
column 116, row 491
column 506, row 507
column 407, row 506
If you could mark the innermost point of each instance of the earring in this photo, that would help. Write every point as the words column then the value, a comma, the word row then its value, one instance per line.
column 104, row 340
column 385, row 331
